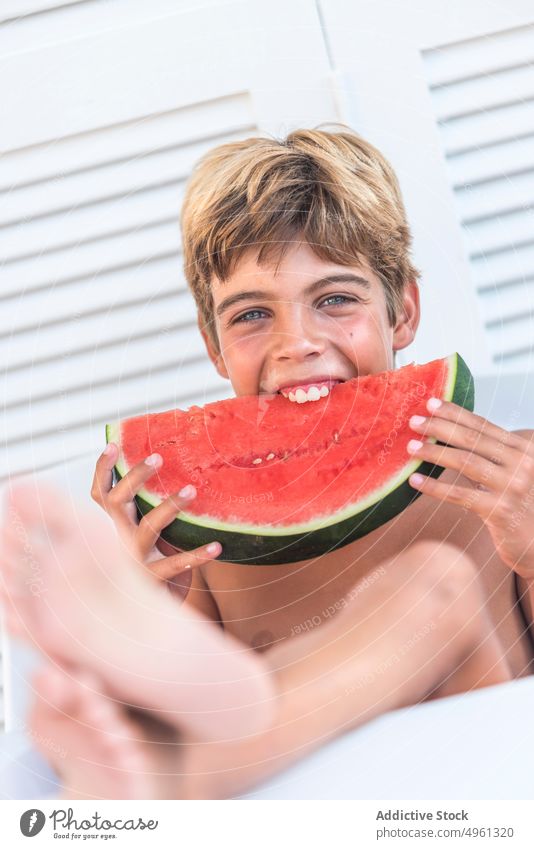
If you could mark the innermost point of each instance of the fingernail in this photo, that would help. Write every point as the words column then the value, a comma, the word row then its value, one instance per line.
column 433, row 404
column 154, row 460
column 417, row 420
column 188, row 491
column 109, row 449
column 214, row 548
column 414, row 445
column 416, row 479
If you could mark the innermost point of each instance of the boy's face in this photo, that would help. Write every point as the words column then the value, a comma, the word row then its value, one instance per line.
column 290, row 329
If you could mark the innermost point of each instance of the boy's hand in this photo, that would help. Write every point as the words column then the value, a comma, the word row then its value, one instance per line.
column 141, row 538
column 500, row 463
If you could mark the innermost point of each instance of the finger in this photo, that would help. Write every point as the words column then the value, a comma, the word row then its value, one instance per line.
column 170, row 567
column 152, row 524
column 481, row 503
column 471, row 465
column 469, row 421
column 103, row 476
column 119, row 502
column 459, row 436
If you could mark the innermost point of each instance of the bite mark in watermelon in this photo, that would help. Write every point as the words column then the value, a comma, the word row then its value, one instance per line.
column 279, row 482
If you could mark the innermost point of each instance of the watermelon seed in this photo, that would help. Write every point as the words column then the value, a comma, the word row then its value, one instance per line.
column 270, row 456
column 257, row 460
column 336, row 436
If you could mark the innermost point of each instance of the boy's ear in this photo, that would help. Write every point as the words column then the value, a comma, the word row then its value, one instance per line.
column 213, row 352
column 406, row 327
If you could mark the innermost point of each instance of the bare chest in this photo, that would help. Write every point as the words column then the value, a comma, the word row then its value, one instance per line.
column 263, row 605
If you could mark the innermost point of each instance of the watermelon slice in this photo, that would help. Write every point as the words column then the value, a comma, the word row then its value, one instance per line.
column 278, row 481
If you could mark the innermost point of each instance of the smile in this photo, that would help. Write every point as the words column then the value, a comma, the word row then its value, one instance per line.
column 302, row 393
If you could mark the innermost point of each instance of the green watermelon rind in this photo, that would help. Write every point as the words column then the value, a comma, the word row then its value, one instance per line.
column 270, row 545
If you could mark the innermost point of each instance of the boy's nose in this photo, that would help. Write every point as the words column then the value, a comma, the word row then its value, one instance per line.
column 296, row 337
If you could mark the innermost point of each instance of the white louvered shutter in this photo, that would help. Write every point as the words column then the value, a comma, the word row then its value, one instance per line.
column 482, row 91
column 446, row 90
column 105, row 108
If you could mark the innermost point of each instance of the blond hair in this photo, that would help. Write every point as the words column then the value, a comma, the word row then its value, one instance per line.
column 334, row 191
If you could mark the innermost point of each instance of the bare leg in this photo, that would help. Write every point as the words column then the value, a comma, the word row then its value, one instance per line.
column 418, row 631
column 72, row 589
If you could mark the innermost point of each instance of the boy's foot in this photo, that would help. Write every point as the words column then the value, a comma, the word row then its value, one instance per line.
column 71, row 587
column 68, row 583
column 96, row 749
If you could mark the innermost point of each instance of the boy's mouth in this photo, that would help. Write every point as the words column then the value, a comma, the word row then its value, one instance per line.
column 313, row 390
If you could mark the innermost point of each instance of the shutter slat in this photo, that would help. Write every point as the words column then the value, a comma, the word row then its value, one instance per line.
column 16, row 9
column 500, row 304
column 86, row 260
column 90, row 332
column 487, row 164
column 100, row 365
column 512, row 336
column 497, row 197
column 139, row 284
column 80, row 225
column 474, row 132
column 477, row 56
column 486, row 92
column 500, row 232
column 514, row 264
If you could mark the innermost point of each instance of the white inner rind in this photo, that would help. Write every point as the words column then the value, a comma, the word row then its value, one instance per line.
column 113, row 435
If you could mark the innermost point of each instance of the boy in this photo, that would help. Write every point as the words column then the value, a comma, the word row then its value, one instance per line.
column 341, row 300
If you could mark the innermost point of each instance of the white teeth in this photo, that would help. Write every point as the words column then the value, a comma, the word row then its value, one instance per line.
column 314, row 393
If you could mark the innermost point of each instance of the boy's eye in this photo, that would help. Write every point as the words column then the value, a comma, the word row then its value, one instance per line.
column 340, row 299
column 243, row 317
